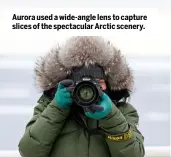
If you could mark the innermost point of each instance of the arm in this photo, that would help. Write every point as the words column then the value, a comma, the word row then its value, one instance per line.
column 43, row 129
column 123, row 138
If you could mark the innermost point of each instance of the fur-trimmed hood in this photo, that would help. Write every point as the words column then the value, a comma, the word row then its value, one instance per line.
column 83, row 50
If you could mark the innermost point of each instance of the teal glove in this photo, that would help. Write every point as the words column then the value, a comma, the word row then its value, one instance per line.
column 106, row 103
column 63, row 96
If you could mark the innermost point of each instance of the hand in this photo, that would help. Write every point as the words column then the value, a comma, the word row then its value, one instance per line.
column 106, row 103
column 63, row 96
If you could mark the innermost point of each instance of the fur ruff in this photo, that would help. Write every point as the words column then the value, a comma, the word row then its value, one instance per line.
column 83, row 50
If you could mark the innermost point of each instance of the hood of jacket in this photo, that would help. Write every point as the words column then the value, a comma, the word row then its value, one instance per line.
column 83, row 51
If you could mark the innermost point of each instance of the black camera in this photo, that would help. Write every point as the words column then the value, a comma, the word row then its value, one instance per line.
column 86, row 92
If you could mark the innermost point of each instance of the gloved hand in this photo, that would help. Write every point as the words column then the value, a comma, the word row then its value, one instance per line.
column 106, row 103
column 63, row 96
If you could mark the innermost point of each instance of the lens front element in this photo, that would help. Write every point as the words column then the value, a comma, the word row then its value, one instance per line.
column 86, row 93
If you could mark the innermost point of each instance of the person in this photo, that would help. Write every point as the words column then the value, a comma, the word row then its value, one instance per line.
column 60, row 128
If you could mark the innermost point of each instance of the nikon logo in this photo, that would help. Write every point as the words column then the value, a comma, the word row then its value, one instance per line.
column 86, row 79
column 125, row 136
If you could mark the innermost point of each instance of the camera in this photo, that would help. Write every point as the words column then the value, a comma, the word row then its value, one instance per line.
column 87, row 91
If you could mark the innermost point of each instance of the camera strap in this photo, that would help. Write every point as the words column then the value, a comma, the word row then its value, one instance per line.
column 95, row 131
column 82, row 121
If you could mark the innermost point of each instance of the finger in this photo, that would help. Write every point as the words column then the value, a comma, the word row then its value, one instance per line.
column 88, row 109
column 63, row 90
column 69, row 89
column 97, row 108
column 100, row 92
column 103, row 96
column 66, row 89
column 67, row 83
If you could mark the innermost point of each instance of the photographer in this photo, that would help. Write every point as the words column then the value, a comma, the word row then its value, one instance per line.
column 83, row 111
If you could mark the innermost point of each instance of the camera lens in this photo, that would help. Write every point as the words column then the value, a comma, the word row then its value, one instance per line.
column 86, row 93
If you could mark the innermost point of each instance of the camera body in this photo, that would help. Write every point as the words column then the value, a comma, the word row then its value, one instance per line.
column 86, row 92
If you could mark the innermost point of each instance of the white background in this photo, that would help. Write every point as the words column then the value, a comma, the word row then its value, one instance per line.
column 153, row 40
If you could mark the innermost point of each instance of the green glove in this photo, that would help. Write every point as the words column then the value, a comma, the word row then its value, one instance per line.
column 63, row 96
column 106, row 103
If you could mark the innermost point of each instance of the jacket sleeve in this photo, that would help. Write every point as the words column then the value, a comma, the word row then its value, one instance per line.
column 43, row 129
column 122, row 136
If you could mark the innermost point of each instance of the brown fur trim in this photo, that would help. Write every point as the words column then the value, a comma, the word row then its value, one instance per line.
column 83, row 50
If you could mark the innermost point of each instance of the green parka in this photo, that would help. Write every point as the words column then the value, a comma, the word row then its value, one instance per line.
column 52, row 132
